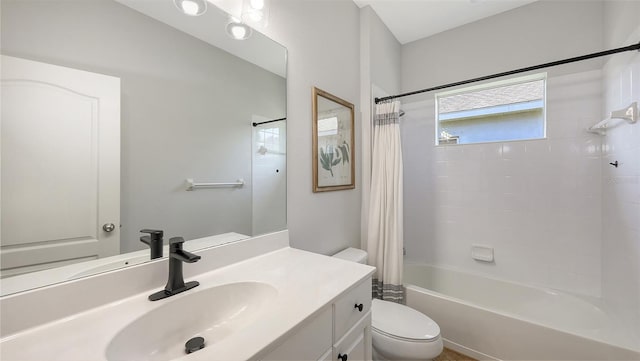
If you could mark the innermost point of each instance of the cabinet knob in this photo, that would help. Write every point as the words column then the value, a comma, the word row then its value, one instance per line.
column 342, row 357
column 359, row 307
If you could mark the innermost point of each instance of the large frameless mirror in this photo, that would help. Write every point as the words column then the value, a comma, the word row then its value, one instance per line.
column 124, row 115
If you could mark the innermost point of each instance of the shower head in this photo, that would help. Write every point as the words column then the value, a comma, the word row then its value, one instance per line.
column 401, row 113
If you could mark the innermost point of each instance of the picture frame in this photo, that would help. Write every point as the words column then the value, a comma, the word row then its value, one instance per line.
column 333, row 145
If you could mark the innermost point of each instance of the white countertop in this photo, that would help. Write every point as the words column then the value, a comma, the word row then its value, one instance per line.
column 305, row 283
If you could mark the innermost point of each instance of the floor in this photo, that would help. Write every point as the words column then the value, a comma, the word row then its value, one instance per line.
column 450, row 355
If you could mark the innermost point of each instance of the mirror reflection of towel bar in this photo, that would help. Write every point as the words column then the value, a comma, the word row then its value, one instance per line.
column 191, row 185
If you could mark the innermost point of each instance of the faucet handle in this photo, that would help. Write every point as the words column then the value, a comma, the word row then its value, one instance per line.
column 175, row 244
column 176, row 240
column 176, row 251
column 154, row 233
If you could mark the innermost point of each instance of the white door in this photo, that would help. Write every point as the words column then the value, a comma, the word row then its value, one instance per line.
column 60, row 163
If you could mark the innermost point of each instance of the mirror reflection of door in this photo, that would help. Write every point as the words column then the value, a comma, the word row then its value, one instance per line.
column 269, row 177
column 60, row 131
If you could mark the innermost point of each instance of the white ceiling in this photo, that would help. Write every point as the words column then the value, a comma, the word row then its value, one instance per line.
column 411, row 20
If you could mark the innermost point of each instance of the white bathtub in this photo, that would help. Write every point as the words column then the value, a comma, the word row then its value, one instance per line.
column 492, row 319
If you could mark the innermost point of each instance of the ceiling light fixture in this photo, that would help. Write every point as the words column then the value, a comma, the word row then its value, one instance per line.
column 237, row 30
column 255, row 12
column 257, row 4
column 191, row 7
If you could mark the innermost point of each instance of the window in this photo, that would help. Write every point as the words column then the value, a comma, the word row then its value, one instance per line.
column 511, row 109
column 269, row 140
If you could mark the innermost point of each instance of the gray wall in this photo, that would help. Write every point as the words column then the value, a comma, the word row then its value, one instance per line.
column 322, row 39
column 384, row 53
column 379, row 75
column 540, row 32
column 620, row 22
column 186, row 109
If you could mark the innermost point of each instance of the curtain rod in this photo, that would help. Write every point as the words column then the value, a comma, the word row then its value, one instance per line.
column 522, row 70
column 268, row 121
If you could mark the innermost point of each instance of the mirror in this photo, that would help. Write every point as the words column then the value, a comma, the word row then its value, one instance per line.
column 109, row 108
column 333, row 143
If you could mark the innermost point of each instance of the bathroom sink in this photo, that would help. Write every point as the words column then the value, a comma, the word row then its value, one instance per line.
column 211, row 313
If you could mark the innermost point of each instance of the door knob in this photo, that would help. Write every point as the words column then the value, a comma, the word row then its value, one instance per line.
column 109, row 227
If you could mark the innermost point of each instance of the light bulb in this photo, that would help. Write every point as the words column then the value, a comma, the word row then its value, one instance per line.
column 190, row 7
column 238, row 32
column 255, row 12
column 256, row 16
column 257, row 4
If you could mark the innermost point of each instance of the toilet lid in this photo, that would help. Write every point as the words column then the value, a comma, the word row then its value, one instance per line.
column 401, row 321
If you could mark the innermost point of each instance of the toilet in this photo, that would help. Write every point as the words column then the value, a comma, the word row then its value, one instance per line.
column 399, row 332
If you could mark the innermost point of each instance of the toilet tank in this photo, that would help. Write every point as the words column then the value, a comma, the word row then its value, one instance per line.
column 353, row 255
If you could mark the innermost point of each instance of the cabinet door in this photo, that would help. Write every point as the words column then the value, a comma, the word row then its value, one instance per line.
column 356, row 344
column 346, row 310
column 308, row 343
column 355, row 351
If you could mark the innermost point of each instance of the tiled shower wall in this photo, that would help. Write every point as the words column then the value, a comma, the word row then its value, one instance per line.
column 537, row 203
column 621, row 191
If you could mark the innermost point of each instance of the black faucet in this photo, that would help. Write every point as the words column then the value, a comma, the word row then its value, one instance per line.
column 176, row 284
column 154, row 241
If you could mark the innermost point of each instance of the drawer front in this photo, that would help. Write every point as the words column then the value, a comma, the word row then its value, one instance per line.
column 345, row 312
column 309, row 343
column 327, row 355
column 356, row 344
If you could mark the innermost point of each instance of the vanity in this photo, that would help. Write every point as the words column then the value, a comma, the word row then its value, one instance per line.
column 258, row 299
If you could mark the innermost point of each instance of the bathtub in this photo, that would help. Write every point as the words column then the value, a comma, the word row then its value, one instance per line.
column 493, row 319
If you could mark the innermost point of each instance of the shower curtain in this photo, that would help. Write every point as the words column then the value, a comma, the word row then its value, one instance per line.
column 385, row 233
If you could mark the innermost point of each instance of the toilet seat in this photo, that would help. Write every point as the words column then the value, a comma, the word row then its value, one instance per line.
column 403, row 339
column 402, row 323
column 388, row 348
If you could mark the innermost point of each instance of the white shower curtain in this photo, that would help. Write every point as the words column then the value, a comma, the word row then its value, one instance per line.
column 385, row 232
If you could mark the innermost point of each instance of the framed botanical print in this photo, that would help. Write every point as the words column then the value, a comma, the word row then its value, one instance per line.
column 333, row 143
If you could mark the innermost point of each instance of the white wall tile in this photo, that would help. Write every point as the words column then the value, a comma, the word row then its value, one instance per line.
column 621, row 194
column 557, row 214
column 513, row 150
column 538, row 202
column 635, row 79
column 625, row 86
